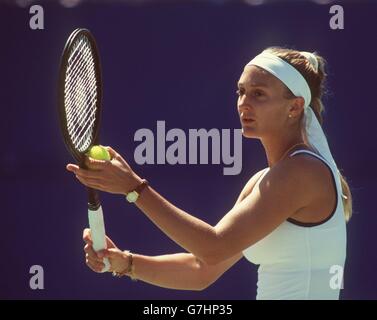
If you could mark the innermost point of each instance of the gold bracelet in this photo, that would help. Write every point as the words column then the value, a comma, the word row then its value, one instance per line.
column 129, row 271
column 131, row 267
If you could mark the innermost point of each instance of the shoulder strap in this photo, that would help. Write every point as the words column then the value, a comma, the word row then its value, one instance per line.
column 312, row 153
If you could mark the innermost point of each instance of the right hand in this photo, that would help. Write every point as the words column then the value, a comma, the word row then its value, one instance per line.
column 94, row 260
column 115, row 176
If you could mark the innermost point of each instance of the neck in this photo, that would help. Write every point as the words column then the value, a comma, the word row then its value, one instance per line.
column 278, row 149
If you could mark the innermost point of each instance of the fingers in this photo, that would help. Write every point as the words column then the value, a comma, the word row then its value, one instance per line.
column 88, row 248
column 91, row 254
column 72, row 167
column 113, row 154
column 84, row 173
column 95, row 164
column 116, row 257
column 86, row 236
column 91, row 258
column 89, row 178
column 94, row 260
column 95, row 266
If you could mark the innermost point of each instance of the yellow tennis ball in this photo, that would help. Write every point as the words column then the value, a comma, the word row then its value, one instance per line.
column 99, row 153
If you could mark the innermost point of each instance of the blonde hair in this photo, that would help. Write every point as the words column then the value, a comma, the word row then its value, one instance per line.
column 316, row 80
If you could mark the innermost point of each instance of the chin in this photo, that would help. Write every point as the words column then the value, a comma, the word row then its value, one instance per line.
column 248, row 133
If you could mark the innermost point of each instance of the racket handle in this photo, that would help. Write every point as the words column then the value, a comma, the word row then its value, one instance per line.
column 97, row 230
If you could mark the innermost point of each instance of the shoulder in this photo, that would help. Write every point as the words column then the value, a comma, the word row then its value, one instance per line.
column 286, row 188
column 299, row 178
column 311, row 168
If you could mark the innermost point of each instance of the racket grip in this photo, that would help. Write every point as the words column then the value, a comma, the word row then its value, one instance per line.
column 97, row 230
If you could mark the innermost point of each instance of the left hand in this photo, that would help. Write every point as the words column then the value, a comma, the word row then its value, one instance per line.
column 118, row 259
column 114, row 176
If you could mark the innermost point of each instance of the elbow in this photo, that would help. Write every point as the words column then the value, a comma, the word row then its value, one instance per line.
column 212, row 259
column 196, row 284
column 211, row 253
column 207, row 280
column 196, row 287
column 214, row 253
column 202, row 285
column 204, row 277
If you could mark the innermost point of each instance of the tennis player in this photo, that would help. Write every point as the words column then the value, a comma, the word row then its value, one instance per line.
column 290, row 218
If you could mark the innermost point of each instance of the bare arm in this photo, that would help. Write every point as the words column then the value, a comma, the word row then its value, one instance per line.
column 157, row 207
column 179, row 271
column 183, row 270
column 252, row 219
column 285, row 189
column 175, row 271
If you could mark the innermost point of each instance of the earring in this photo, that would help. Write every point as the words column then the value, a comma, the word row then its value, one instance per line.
column 290, row 116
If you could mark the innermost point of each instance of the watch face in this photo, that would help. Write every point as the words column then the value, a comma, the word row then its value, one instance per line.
column 132, row 196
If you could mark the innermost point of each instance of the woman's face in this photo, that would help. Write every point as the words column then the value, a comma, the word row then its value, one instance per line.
column 262, row 104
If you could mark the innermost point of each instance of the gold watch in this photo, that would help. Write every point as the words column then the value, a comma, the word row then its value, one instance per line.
column 132, row 196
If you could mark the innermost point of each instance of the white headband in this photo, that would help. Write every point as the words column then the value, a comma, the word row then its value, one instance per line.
column 285, row 72
column 293, row 79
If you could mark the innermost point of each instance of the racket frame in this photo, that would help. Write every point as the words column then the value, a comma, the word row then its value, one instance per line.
column 93, row 197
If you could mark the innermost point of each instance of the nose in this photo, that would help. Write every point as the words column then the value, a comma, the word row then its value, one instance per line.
column 243, row 99
column 243, row 105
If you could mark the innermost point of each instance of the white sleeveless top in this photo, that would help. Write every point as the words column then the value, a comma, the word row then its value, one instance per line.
column 302, row 261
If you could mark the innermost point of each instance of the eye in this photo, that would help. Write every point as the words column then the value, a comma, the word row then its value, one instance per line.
column 258, row 93
column 240, row 92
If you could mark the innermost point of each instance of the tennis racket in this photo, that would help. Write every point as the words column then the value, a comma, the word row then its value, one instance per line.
column 79, row 105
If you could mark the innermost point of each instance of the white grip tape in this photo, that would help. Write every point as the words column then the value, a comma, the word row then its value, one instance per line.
column 97, row 230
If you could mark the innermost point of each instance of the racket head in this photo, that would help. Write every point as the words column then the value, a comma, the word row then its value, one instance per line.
column 80, row 93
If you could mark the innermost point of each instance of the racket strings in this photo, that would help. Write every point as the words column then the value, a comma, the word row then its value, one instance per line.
column 80, row 94
column 81, row 99
column 74, row 98
column 75, row 70
column 81, row 80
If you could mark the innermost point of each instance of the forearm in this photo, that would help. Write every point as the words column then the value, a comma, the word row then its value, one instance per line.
column 175, row 271
column 192, row 234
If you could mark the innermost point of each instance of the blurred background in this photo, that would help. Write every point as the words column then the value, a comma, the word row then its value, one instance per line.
column 177, row 61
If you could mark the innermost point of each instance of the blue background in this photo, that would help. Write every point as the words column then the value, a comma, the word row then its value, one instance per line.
column 178, row 63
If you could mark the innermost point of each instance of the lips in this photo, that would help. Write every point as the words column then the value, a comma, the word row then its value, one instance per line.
column 247, row 120
column 245, row 117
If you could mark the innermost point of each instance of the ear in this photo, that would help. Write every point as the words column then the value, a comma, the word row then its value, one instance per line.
column 296, row 106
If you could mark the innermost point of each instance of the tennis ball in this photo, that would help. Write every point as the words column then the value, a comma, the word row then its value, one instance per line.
column 99, row 153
